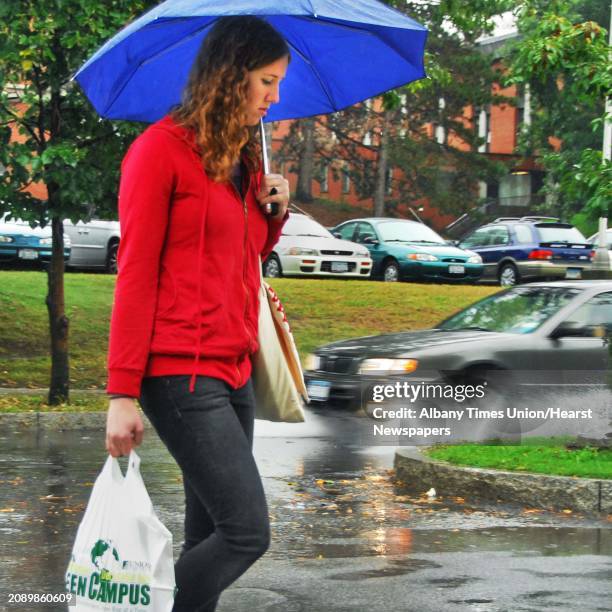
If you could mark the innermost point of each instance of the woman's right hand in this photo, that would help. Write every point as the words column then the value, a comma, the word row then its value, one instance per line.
column 124, row 428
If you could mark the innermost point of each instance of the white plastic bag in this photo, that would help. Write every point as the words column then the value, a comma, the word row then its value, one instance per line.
column 122, row 557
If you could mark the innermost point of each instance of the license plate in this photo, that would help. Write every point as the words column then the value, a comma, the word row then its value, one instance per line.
column 456, row 269
column 339, row 266
column 573, row 273
column 28, row 254
column 318, row 390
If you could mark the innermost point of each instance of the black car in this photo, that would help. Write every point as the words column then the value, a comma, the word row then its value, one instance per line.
column 551, row 333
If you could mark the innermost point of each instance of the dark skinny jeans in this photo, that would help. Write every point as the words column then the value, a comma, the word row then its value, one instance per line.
column 210, row 435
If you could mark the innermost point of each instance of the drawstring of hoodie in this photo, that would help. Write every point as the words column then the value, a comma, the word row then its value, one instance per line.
column 205, row 203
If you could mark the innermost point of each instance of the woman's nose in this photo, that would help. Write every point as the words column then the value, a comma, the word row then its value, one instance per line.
column 273, row 96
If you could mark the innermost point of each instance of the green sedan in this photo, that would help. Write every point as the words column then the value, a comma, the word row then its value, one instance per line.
column 407, row 250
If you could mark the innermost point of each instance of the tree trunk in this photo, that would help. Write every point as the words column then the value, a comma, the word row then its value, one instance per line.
column 306, row 162
column 380, row 190
column 58, row 322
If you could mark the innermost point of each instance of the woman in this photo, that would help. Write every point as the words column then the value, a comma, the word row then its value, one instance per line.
column 192, row 206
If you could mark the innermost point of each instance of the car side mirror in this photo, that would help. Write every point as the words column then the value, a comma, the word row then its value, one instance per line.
column 453, row 243
column 370, row 240
column 337, row 235
column 569, row 329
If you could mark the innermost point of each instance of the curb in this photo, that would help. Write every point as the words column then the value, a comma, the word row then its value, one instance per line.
column 45, row 391
column 56, row 421
column 586, row 495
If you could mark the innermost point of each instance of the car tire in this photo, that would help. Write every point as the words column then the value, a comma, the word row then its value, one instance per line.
column 390, row 271
column 508, row 275
column 499, row 388
column 272, row 267
column 111, row 258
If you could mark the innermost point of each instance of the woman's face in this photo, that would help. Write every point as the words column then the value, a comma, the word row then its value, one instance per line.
column 263, row 89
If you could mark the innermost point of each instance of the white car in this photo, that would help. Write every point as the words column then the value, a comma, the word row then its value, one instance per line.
column 306, row 248
column 594, row 239
column 94, row 244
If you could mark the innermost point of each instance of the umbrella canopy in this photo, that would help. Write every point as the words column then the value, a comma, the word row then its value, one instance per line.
column 341, row 53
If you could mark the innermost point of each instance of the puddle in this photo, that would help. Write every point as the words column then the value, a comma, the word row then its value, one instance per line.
column 327, row 499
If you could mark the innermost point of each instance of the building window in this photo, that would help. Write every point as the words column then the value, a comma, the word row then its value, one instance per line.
column 523, row 112
column 346, row 179
column 367, row 138
column 403, row 114
column 323, row 179
column 515, row 189
column 440, row 131
column 484, row 129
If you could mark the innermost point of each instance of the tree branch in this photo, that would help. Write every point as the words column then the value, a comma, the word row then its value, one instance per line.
column 17, row 119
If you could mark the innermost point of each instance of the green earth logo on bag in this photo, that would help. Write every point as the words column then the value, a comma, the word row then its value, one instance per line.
column 108, row 579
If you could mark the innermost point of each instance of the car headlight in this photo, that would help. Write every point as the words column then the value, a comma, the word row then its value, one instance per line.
column 475, row 259
column 362, row 253
column 377, row 366
column 312, row 362
column 301, row 251
column 6, row 239
column 46, row 241
column 422, row 257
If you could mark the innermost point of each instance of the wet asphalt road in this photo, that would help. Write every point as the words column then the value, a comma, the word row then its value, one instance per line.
column 343, row 539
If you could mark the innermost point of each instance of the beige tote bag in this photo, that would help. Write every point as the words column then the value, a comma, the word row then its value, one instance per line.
column 277, row 374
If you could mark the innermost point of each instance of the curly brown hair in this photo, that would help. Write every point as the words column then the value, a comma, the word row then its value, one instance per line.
column 214, row 100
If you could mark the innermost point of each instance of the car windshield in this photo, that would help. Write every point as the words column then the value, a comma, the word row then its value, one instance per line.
column 556, row 233
column 520, row 310
column 299, row 225
column 403, row 231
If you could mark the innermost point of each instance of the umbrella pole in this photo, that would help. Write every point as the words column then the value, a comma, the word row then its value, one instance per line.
column 264, row 147
column 273, row 207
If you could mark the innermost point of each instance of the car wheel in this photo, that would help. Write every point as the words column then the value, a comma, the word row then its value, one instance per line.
column 390, row 272
column 111, row 258
column 508, row 275
column 500, row 392
column 272, row 267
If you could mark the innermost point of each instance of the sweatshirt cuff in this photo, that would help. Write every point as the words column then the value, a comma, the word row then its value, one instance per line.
column 124, row 382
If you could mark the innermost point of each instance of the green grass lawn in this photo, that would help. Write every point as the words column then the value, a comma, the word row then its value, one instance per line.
column 538, row 455
column 319, row 311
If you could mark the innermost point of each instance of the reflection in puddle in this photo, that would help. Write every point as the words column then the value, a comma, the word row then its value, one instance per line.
column 327, row 499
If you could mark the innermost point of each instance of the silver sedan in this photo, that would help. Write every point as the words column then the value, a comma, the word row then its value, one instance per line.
column 95, row 244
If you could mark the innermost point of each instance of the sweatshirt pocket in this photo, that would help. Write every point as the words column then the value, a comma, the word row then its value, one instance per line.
column 167, row 292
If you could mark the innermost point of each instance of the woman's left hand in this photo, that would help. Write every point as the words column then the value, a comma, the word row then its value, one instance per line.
column 281, row 184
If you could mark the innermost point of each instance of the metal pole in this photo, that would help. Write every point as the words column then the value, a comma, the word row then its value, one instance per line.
column 264, row 147
column 271, row 209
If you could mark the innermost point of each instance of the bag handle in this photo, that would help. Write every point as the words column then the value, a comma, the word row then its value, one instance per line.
column 113, row 469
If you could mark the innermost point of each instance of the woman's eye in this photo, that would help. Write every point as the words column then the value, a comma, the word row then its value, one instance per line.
column 266, row 82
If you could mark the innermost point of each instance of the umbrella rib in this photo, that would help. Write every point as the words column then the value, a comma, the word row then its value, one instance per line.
column 346, row 26
column 322, row 83
column 149, row 59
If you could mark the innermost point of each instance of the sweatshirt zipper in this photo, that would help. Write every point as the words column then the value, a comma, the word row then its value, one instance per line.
column 244, row 259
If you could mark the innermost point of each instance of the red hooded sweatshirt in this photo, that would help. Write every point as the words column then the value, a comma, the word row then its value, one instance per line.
column 186, row 298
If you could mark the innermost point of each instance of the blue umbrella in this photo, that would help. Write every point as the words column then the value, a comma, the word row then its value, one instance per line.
column 341, row 53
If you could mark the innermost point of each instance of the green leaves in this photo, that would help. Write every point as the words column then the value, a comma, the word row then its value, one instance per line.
column 62, row 143
column 563, row 56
